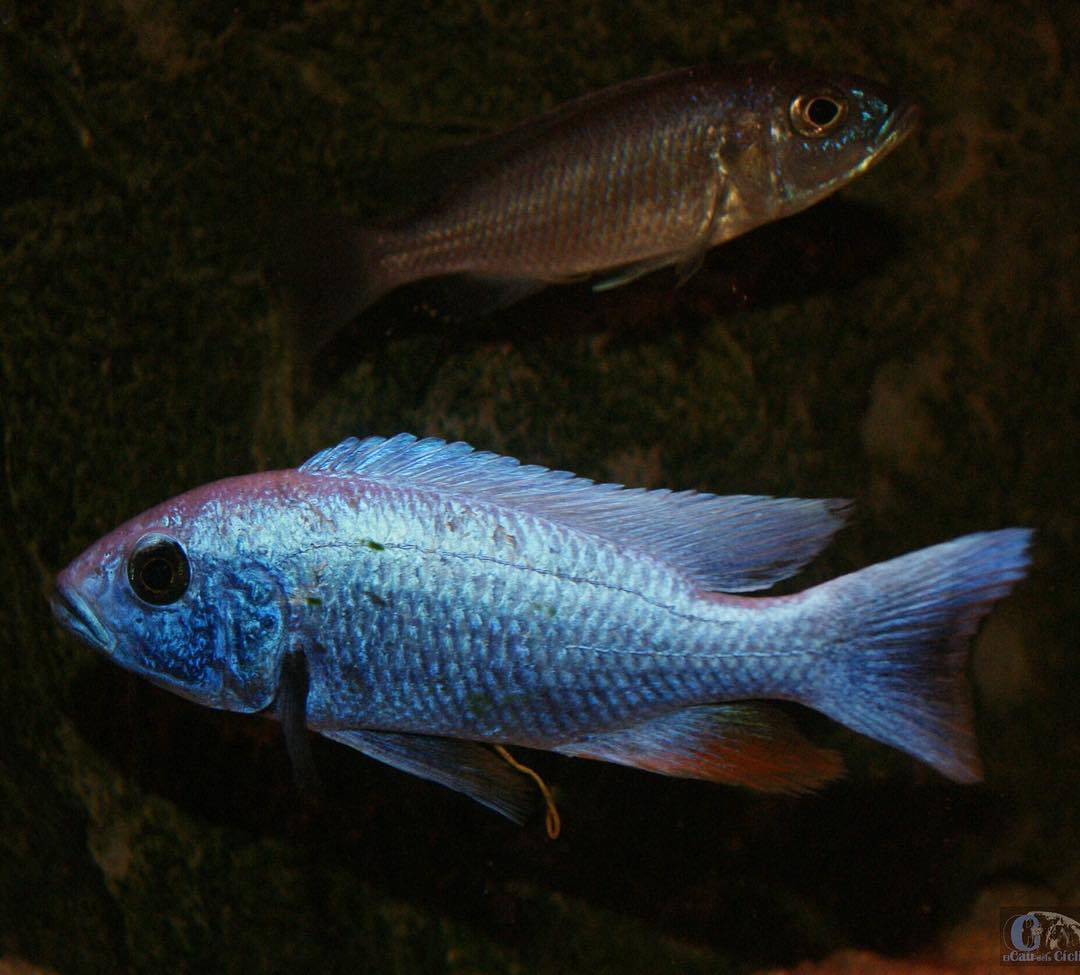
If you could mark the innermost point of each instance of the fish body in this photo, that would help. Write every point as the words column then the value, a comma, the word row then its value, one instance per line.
column 645, row 174
column 441, row 598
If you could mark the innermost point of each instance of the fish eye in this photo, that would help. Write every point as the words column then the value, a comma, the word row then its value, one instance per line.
column 158, row 570
column 817, row 114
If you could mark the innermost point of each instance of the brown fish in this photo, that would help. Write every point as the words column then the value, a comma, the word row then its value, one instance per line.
column 645, row 174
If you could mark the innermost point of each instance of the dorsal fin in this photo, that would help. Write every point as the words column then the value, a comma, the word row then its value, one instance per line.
column 736, row 543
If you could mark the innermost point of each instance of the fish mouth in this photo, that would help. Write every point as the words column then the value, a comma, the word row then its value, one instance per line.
column 898, row 126
column 75, row 614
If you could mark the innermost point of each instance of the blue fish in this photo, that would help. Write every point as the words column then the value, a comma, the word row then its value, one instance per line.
column 421, row 601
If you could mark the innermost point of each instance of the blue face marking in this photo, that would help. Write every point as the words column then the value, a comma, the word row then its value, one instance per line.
column 220, row 644
column 873, row 111
column 180, row 645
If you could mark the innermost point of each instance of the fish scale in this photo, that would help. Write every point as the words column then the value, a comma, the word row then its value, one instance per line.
column 537, row 209
column 602, row 634
column 417, row 599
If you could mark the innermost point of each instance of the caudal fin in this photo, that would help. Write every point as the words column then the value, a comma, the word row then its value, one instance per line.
column 897, row 673
column 326, row 272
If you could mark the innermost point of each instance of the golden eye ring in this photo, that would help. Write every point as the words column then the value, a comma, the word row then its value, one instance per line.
column 818, row 113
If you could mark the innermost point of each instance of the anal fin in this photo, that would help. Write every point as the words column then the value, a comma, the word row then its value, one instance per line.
column 753, row 745
column 689, row 265
column 465, row 766
column 631, row 272
column 686, row 265
column 456, row 298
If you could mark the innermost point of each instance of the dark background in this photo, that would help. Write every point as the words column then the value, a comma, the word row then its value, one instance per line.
column 911, row 344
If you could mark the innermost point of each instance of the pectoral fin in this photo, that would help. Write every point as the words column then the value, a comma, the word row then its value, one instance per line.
column 752, row 745
column 291, row 707
column 465, row 766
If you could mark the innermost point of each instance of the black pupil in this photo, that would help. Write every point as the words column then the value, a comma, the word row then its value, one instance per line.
column 822, row 111
column 157, row 573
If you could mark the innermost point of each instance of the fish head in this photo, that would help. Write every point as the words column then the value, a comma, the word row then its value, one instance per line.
column 825, row 131
column 183, row 596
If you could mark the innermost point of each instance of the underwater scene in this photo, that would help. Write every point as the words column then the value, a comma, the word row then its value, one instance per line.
column 309, row 311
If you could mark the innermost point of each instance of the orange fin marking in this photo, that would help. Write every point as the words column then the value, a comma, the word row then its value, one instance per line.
column 751, row 745
column 551, row 819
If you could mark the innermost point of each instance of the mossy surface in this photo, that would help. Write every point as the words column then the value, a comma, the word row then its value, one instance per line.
column 912, row 344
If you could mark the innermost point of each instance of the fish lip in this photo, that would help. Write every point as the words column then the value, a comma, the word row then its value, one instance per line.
column 74, row 613
column 898, row 126
column 895, row 129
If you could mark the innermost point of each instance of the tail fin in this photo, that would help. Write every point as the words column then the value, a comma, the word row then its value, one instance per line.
column 326, row 271
column 898, row 674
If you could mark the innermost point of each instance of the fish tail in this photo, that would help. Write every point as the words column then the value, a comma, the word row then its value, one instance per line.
column 326, row 270
column 898, row 672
